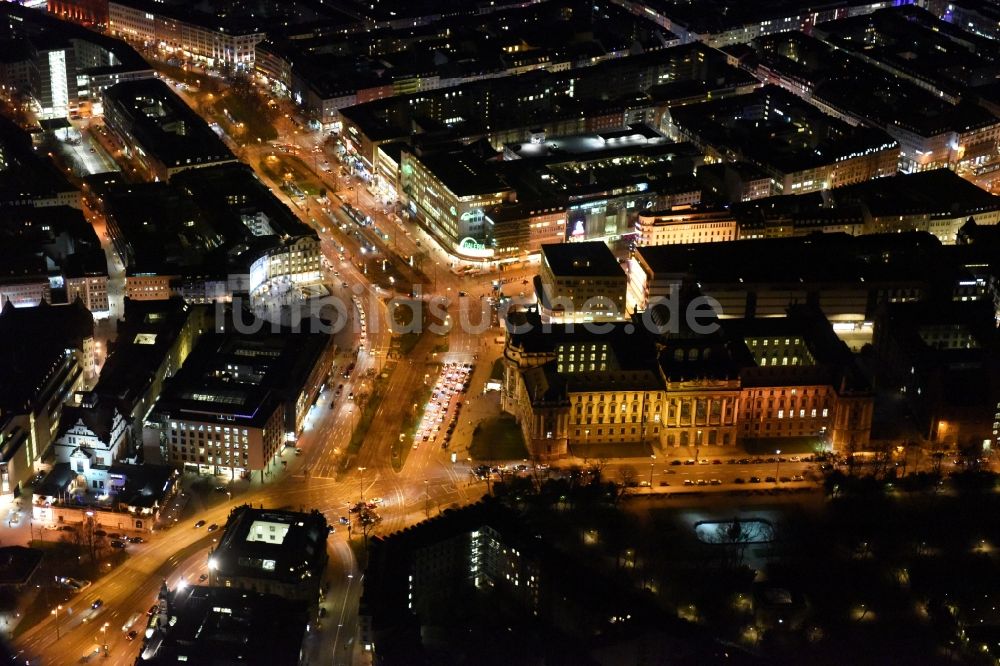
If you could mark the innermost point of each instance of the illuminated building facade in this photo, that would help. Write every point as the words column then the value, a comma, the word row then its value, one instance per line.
column 686, row 224
column 572, row 387
column 206, row 38
column 449, row 193
column 238, row 399
column 91, row 13
column 581, row 282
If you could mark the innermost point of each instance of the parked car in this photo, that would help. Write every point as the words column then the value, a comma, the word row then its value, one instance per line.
column 117, row 543
column 97, row 603
column 130, row 636
column 200, row 523
column 213, row 527
column 136, row 539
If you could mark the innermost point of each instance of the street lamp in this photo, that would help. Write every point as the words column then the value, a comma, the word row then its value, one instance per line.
column 362, row 470
column 55, row 613
column 777, row 464
column 104, row 637
column 652, row 462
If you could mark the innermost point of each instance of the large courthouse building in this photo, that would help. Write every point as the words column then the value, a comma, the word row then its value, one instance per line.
column 646, row 381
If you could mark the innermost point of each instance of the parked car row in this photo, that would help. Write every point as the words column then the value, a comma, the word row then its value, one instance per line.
column 439, row 414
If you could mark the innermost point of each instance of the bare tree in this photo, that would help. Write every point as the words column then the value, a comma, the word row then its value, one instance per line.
column 882, row 460
column 596, row 469
column 735, row 536
column 627, row 476
column 575, row 475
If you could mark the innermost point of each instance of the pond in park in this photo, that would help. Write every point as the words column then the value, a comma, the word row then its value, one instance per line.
column 747, row 530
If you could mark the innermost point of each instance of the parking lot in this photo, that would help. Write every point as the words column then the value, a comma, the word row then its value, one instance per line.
column 444, row 407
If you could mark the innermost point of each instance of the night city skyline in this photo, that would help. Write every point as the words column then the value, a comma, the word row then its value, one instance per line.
column 488, row 332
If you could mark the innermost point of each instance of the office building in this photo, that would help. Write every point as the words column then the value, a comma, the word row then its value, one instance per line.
column 64, row 67
column 943, row 357
column 46, row 355
column 238, row 399
column 212, row 39
column 159, row 131
column 686, row 224
column 799, row 147
column 27, row 178
column 209, row 235
column 202, row 625
column 723, row 22
column 52, row 254
column 154, row 339
column 762, row 277
column 271, row 551
column 581, row 282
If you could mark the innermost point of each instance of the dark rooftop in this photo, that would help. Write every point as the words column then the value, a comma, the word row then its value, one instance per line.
column 17, row 564
column 145, row 336
column 464, row 173
column 286, row 546
column 587, row 259
column 164, row 125
column 243, row 376
column 218, row 625
column 813, row 259
column 34, row 342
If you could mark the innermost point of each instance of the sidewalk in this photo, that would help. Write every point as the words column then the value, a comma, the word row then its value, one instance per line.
column 722, row 453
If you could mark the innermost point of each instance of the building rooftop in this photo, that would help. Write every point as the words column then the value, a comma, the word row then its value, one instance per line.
column 464, row 172
column 24, row 174
column 145, row 336
column 857, row 87
column 159, row 229
column 18, row 564
column 340, row 60
column 939, row 192
column 777, row 131
column 586, row 144
column 813, row 259
column 587, row 259
column 164, row 126
column 44, row 30
column 212, row 15
column 218, row 625
column 34, row 343
column 243, row 377
column 540, row 98
column 286, row 546
column 718, row 16
column 917, row 45
column 229, row 192
column 58, row 235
